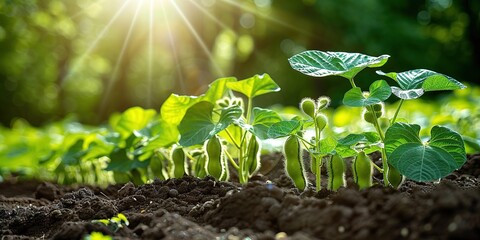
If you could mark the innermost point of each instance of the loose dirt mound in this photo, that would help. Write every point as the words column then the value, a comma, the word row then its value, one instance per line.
column 267, row 208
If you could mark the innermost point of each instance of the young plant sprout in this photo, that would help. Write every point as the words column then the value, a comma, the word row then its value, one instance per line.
column 218, row 116
column 403, row 151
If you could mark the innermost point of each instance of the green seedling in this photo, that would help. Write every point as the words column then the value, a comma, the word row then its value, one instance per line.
column 403, row 153
column 97, row 236
column 219, row 114
column 318, row 148
column 115, row 223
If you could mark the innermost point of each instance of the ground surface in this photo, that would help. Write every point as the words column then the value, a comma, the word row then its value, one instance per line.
column 267, row 208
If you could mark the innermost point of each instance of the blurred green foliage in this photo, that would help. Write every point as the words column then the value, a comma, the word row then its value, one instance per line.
column 93, row 57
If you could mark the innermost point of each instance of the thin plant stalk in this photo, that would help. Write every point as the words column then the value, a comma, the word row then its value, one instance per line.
column 397, row 111
column 384, row 153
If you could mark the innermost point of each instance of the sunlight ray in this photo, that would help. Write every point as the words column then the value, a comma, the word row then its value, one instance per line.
column 113, row 77
column 150, row 55
column 92, row 46
column 211, row 16
column 173, row 47
column 83, row 11
column 267, row 17
column 198, row 39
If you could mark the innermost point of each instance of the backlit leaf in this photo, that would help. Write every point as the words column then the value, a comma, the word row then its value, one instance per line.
column 254, row 86
column 284, row 128
column 379, row 92
column 424, row 161
column 175, row 107
column 320, row 64
column 198, row 125
column 414, row 83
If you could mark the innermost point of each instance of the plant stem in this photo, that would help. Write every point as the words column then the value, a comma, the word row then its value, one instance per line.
column 377, row 126
column 242, row 172
column 231, row 138
column 352, row 82
column 384, row 154
column 249, row 110
column 377, row 167
column 385, row 168
column 230, row 159
column 305, row 142
column 318, row 167
column 241, row 169
column 318, row 175
column 396, row 112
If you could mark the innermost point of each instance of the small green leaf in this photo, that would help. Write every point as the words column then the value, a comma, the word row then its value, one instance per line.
column 217, row 89
column 327, row 145
column 414, row 83
column 134, row 118
column 354, row 138
column 320, row 64
column 428, row 161
column 284, row 128
column 263, row 119
column 197, row 125
column 120, row 162
column 175, row 107
column 160, row 134
column 254, row 86
column 379, row 92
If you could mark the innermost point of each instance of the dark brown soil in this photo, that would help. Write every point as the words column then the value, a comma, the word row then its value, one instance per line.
column 267, row 208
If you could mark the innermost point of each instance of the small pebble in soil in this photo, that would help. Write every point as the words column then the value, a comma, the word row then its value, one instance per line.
column 281, row 235
column 173, row 193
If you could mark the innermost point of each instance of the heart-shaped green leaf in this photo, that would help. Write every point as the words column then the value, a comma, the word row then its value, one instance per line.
column 428, row 161
column 284, row 128
column 254, row 86
column 263, row 119
column 120, row 162
column 320, row 64
column 197, row 125
column 414, row 83
column 379, row 92
column 174, row 108
column 134, row 118
column 354, row 138
column 160, row 134
column 327, row 145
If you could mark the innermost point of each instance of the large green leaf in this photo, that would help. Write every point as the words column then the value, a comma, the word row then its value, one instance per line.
column 284, row 128
column 134, row 118
column 263, row 119
column 254, row 86
column 198, row 124
column 320, row 64
column 175, row 106
column 121, row 162
column 413, row 83
column 354, row 138
column 159, row 134
column 217, row 89
column 420, row 161
column 379, row 92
